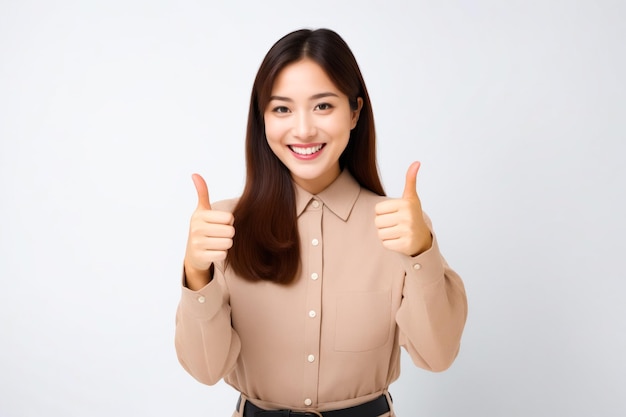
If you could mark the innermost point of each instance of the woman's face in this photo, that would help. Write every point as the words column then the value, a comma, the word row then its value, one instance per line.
column 307, row 124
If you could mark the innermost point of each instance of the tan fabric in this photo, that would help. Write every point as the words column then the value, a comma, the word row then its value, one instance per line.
column 332, row 337
column 244, row 398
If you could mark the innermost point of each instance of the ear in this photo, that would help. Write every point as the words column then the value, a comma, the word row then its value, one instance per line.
column 356, row 113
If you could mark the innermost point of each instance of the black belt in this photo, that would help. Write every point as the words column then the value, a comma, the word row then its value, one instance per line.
column 372, row 408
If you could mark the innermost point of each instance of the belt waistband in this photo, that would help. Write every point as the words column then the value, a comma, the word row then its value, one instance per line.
column 372, row 408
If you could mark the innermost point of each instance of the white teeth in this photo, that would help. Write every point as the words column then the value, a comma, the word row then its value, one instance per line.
column 306, row 151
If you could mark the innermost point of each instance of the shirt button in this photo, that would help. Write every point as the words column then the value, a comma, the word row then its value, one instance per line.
column 312, row 313
column 308, row 402
column 201, row 299
column 314, row 276
column 315, row 242
column 310, row 358
column 315, row 204
column 417, row 266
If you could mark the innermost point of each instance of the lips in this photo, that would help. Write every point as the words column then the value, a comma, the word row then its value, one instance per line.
column 306, row 150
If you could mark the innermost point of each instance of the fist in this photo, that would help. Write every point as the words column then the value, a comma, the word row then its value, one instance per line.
column 210, row 232
column 400, row 222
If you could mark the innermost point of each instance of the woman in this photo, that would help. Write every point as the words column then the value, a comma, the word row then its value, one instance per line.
column 300, row 293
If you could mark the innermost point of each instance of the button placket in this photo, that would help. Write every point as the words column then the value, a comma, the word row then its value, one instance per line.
column 313, row 247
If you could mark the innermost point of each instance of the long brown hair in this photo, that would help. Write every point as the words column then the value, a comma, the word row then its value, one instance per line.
column 266, row 245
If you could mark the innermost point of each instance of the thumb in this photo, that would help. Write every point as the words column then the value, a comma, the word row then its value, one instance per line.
column 203, row 192
column 410, row 185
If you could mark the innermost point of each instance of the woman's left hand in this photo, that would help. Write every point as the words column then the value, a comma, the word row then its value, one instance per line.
column 400, row 222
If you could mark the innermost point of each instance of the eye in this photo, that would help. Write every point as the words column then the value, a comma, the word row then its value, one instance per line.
column 324, row 106
column 280, row 109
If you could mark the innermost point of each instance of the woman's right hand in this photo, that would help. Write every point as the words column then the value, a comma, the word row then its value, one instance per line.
column 210, row 236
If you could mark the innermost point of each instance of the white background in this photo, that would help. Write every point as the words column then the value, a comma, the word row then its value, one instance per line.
column 516, row 109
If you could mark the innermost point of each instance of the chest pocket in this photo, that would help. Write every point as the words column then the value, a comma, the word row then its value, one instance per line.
column 362, row 321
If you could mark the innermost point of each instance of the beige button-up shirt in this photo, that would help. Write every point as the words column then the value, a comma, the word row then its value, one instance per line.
column 332, row 338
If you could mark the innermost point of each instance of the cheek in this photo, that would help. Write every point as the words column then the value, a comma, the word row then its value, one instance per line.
column 272, row 131
column 339, row 129
column 273, row 139
column 339, row 124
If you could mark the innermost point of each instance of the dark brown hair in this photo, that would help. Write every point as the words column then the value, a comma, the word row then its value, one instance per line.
column 266, row 245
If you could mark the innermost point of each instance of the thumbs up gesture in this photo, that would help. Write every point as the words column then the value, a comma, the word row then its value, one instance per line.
column 210, row 236
column 400, row 222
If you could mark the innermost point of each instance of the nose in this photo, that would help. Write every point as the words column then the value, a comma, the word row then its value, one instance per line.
column 304, row 127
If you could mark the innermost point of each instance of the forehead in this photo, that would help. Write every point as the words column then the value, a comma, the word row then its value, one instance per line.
column 303, row 77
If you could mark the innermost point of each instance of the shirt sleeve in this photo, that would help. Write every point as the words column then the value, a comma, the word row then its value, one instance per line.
column 433, row 310
column 206, row 344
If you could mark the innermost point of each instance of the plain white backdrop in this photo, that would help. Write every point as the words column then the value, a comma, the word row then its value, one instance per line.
column 517, row 110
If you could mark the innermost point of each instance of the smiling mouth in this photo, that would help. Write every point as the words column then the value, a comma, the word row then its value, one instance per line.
column 309, row 150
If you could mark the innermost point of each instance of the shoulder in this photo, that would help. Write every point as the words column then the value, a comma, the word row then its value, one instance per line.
column 225, row 205
column 370, row 197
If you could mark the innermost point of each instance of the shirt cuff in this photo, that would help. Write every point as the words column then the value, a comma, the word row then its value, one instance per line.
column 203, row 304
column 428, row 266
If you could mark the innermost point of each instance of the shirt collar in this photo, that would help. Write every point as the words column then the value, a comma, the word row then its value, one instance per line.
column 339, row 197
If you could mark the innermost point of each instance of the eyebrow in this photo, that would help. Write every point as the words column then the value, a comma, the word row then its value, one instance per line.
column 313, row 97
